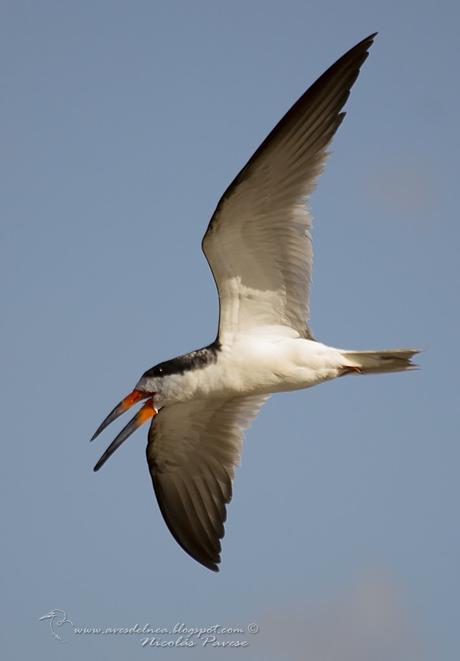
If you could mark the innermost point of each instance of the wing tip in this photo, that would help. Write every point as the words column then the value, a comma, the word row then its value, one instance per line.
column 371, row 37
column 367, row 41
column 213, row 566
column 201, row 554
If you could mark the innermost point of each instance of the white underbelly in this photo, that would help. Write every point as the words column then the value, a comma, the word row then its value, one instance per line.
column 254, row 366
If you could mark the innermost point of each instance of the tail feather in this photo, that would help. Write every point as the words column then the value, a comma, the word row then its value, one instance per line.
column 375, row 362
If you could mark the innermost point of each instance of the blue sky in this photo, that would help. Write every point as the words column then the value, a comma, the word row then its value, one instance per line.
column 122, row 124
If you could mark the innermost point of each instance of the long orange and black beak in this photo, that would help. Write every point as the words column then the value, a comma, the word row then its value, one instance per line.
column 144, row 414
column 125, row 404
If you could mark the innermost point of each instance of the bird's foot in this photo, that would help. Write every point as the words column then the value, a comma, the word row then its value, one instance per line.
column 351, row 370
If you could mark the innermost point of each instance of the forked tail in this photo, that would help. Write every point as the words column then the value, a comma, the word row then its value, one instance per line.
column 374, row 362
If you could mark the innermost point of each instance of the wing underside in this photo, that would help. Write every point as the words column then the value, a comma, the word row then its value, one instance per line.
column 192, row 453
column 258, row 242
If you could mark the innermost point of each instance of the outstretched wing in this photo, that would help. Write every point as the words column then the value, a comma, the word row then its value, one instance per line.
column 258, row 241
column 192, row 452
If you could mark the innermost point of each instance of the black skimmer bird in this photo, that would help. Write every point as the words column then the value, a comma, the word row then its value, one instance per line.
column 258, row 246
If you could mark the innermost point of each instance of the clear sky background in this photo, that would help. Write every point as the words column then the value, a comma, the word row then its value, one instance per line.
column 121, row 125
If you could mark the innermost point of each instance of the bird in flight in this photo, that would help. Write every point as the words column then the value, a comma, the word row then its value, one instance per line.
column 258, row 246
